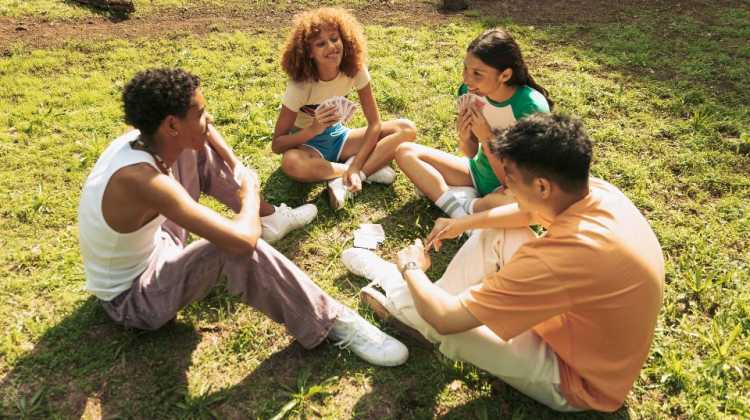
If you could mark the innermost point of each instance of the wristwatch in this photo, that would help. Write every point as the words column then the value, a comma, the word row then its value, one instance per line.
column 410, row 265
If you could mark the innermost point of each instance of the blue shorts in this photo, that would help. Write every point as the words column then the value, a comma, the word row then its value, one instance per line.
column 330, row 142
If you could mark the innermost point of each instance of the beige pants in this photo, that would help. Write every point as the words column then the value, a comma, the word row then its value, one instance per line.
column 525, row 362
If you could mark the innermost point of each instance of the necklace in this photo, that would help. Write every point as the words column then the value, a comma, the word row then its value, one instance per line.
column 159, row 161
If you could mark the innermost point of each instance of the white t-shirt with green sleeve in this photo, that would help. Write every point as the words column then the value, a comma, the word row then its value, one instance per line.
column 305, row 96
column 524, row 102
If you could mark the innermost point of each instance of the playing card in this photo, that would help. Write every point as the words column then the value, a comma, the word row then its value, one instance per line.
column 367, row 242
column 460, row 103
column 368, row 236
column 465, row 100
column 373, row 229
column 344, row 108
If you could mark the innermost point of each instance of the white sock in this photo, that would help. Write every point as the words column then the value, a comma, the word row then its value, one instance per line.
column 451, row 205
column 468, row 205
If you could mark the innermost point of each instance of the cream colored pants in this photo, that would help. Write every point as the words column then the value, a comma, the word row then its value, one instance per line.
column 525, row 362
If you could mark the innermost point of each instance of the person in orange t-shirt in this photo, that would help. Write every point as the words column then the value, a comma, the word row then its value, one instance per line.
column 566, row 318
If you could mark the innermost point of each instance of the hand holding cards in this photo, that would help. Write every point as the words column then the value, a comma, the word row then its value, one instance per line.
column 344, row 108
column 466, row 100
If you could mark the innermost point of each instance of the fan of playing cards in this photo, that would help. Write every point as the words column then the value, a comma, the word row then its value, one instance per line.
column 368, row 236
column 465, row 100
column 344, row 107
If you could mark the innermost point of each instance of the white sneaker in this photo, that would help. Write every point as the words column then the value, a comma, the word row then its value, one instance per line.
column 285, row 219
column 384, row 308
column 337, row 193
column 369, row 265
column 385, row 175
column 351, row 331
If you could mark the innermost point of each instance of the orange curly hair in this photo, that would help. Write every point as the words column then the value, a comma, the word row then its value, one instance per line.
column 296, row 60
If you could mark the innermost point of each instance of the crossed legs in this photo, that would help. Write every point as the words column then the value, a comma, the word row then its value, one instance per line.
column 306, row 165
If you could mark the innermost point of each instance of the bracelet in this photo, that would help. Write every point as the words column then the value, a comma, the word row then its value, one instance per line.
column 410, row 265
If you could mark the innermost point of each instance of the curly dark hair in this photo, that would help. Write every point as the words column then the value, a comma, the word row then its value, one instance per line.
column 554, row 146
column 154, row 94
column 296, row 61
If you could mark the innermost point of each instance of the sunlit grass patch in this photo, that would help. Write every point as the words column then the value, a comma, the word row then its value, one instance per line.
column 665, row 131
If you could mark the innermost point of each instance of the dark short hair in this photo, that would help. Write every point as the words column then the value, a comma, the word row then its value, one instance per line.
column 154, row 94
column 553, row 146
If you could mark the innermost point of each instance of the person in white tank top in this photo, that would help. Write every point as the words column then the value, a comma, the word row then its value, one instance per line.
column 140, row 203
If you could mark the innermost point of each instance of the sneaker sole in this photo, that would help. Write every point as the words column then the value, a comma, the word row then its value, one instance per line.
column 333, row 202
column 384, row 315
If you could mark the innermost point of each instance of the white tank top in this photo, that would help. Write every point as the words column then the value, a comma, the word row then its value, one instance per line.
column 112, row 260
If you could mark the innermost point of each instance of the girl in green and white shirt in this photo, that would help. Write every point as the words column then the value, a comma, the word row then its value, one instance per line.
column 494, row 71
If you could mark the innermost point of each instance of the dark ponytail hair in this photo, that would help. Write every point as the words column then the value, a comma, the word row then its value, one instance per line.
column 497, row 48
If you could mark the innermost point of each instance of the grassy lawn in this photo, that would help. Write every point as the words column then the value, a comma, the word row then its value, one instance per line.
column 663, row 96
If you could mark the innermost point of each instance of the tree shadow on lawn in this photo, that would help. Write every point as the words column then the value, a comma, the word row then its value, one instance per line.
column 112, row 14
column 88, row 364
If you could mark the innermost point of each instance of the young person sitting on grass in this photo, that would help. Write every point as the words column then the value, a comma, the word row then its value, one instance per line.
column 566, row 318
column 325, row 57
column 141, row 201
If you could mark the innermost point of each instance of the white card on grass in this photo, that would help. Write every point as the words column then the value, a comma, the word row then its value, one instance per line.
column 373, row 229
column 365, row 241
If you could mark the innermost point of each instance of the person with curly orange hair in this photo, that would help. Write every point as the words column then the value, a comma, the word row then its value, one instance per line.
column 325, row 57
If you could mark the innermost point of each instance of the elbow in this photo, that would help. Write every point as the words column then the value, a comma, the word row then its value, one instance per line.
column 245, row 242
column 243, row 247
column 436, row 322
column 375, row 127
column 442, row 330
column 276, row 147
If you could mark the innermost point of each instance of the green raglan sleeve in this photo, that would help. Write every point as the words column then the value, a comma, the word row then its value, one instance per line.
column 529, row 103
column 463, row 89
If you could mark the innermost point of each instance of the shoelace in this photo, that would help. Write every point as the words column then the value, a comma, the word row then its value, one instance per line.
column 368, row 332
column 289, row 212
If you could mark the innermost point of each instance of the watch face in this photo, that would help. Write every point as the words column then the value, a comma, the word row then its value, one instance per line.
column 411, row 265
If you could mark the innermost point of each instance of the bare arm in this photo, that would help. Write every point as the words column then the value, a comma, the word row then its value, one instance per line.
column 165, row 195
column 218, row 143
column 372, row 133
column 504, row 217
column 443, row 311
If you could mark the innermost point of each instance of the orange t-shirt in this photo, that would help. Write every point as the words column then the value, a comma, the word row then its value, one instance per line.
column 591, row 288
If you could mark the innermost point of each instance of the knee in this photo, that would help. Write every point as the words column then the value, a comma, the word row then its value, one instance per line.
column 406, row 151
column 292, row 164
column 406, row 129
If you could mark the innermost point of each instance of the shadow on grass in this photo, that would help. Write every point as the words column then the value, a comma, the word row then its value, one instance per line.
column 86, row 362
column 113, row 13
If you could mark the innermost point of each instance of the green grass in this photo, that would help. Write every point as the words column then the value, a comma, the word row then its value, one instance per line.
column 664, row 98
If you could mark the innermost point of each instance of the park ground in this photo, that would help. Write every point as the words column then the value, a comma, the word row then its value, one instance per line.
column 661, row 86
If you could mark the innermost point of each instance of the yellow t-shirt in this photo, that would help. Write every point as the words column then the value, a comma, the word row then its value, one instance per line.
column 304, row 97
column 591, row 288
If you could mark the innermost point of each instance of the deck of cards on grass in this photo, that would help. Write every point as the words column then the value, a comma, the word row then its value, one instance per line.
column 344, row 108
column 368, row 236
